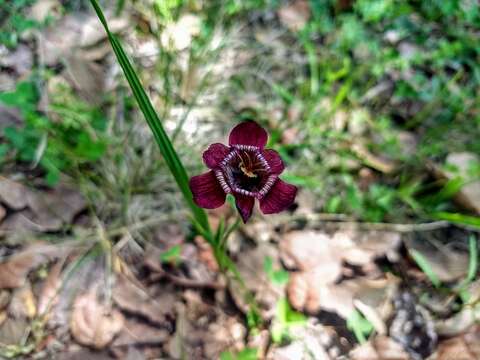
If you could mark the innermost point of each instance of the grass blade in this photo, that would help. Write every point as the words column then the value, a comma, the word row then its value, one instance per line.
column 473, row 262
column 424, row 265
column 166, row 148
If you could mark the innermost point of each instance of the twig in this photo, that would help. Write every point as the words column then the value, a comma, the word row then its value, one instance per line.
column 342, row 221
column 180, row 281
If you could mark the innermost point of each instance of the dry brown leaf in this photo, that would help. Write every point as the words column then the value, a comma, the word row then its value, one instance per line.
column 257, row 282
column 4, row 299
column 133, row 298
column 61, row 203
column 447, row 264
column 463, row 347
column 86, row 77
column 379, row 348
column 72, row 33
column 50, row 288
column 14, row 270
column 3, row 212
column 23, row 303
column 140, row 333
column 12, row 331
column 458, row 323
column 307, row 292
column 308, row 250
column 92, row 323
column 13, row 194
column 295, row 15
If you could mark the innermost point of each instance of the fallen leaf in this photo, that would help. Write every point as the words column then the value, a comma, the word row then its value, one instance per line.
column 23, row 303
column 50, row 289
column 295, row 15
column 308, row 250
column 136, row 333
column 447, row 264
column 308, row 292
column 86, row 77
column 61, row 203
column 13, row 194
column 71, row 33
column 251, row 267
column 459, row 322
column 92, row 323
column 133, row 298
column 379, row 348
column 3, row 212
column 13, row 270
column 462, row 347
column 12, row 331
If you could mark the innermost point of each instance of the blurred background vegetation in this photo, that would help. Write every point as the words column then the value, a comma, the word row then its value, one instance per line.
column 363, row 98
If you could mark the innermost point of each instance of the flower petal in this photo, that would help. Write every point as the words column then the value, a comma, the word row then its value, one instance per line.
column 214, row 154
column 274, row 160
column 279, row 198
column 248, row 133
column 244, row 206
column 207, row 192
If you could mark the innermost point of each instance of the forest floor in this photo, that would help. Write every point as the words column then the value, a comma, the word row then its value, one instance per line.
column 375, row 110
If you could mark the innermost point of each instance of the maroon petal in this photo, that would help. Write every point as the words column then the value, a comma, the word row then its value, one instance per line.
column 207, row 192
column 248, row 133
column 244, row 206
column 214, row 154
column 279, row 198
column 274, row 160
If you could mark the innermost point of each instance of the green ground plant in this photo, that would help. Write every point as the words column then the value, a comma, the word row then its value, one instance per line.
column 70, row 136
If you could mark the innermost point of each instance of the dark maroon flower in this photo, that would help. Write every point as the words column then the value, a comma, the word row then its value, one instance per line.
column 246, row 170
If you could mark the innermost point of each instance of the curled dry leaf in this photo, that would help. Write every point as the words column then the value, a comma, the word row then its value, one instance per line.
column 14, row 270
column 379, row 348
column 308, row 250
column 307, row 292
column 305, row 250
column 92, row 323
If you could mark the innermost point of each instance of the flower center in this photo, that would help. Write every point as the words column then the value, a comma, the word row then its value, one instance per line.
column 245, row 171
